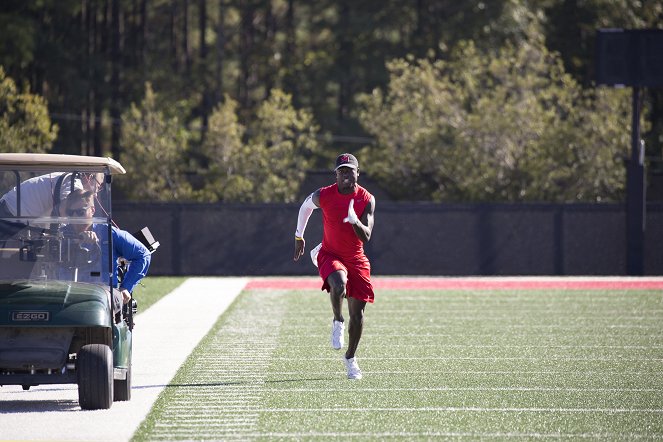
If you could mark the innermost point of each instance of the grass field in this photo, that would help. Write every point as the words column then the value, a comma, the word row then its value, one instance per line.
column 438, row 364
column 153, row 288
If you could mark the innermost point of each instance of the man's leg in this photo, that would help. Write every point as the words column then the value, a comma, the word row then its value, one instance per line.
column 356, row 310
column 337, row 281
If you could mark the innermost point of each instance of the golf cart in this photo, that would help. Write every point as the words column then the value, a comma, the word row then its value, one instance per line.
column 60, row 321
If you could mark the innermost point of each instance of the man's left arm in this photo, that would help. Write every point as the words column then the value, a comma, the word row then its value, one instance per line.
column 363, row 226
column 129, row 248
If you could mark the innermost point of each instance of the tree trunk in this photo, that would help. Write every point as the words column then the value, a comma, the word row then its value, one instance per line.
column 172, row 35
column 100, row 86
column 418, row 34
column 186, row 51
column 289, row 53
column 269, row 45
column 246, row 40
column 220, row 54
column 205, row 99
column 143, row 36
column 115, row 109
column 88, row 15
column 344, row 61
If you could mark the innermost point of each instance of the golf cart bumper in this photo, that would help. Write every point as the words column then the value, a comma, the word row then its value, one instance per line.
column 32, row 380
column 69, row 377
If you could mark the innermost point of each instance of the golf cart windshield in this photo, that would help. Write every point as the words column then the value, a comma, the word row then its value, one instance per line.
column 45, row 234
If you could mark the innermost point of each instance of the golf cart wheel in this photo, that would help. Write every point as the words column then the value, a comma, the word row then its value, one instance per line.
column 95, row 377
column 122, row 387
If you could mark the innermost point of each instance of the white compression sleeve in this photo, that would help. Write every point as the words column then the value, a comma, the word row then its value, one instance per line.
column 304, row 214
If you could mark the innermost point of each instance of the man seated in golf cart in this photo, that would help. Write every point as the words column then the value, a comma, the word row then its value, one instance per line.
column 94, row 241
column 42, row 195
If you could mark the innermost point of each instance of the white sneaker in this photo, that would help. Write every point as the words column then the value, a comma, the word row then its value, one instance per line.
column 337, row 334
column 354, row 372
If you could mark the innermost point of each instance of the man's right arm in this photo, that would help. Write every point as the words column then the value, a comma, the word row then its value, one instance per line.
column 129, row 248
column 311, row 203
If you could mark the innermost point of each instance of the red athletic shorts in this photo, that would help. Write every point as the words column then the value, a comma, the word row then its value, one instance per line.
column 358, row 271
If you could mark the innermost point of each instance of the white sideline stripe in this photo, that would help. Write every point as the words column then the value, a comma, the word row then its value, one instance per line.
column 164, row 336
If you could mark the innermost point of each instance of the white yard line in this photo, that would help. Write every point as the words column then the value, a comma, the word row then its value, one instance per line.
column 164, row 337
column 428, row 435
column 476, row 389
column 477, row 358
column 403, row 410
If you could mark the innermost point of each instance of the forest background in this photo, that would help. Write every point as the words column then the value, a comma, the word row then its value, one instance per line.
column 236, row 100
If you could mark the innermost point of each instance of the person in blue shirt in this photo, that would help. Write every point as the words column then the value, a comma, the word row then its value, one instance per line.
column 80, row 203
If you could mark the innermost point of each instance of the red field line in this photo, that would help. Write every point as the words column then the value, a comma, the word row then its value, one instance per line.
column 474, row 283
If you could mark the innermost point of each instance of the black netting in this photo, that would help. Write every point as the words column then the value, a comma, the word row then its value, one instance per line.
column 408, row 239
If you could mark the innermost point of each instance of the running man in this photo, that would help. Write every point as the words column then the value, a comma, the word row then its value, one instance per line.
column 342, row 264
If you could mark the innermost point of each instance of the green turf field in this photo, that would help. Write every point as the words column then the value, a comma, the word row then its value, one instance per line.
column 153, row 288
column 464, row 365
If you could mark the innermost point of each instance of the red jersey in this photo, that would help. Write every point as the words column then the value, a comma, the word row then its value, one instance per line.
column 338, row 237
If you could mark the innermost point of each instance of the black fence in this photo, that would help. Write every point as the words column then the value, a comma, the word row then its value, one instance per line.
column 408, row 238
